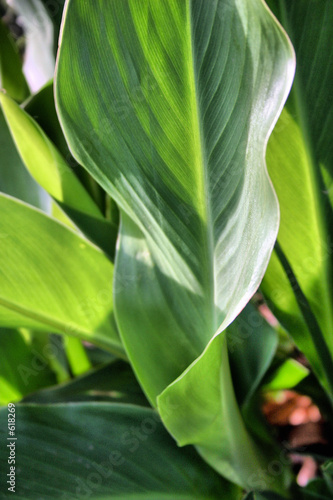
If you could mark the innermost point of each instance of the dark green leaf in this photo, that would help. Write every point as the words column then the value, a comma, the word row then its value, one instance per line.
column 11, row 75
column 114, row 382
column 104, row 451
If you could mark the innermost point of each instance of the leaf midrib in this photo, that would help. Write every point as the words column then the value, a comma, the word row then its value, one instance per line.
column 60, row 327
column 202, row 169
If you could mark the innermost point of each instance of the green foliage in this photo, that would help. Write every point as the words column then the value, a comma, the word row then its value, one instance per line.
column 117, row 451
column 298, row 281
column 159, row 222
column 53, row 279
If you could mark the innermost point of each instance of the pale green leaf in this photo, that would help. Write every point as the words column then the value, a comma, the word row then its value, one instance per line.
column 77, row 357
column 50, row 170
column 200, row 408
column 286, row 376
column 52, row 279
column 14, row 178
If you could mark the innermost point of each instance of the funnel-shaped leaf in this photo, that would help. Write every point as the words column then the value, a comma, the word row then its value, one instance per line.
column 200, row 408
column 169, row 104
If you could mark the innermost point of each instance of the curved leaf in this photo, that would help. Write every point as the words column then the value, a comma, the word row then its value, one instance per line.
column 298, row 281
column 49, row 168
column 200, row 408
column 14, row 178
column 41, row 107
column 172, row 127
column 52, row 279
column 118, row 452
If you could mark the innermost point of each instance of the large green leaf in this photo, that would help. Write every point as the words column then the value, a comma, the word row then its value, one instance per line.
column 298, row 282
column 52, row 279
column 174, row 127
column 104, row 451
column 49, row 168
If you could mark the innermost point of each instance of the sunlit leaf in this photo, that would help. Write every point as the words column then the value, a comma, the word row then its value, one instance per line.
column 49, row 168
column 52, row 279
column 174, row 128
column 14, row 178
column 286, row 376
column 298, row 282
